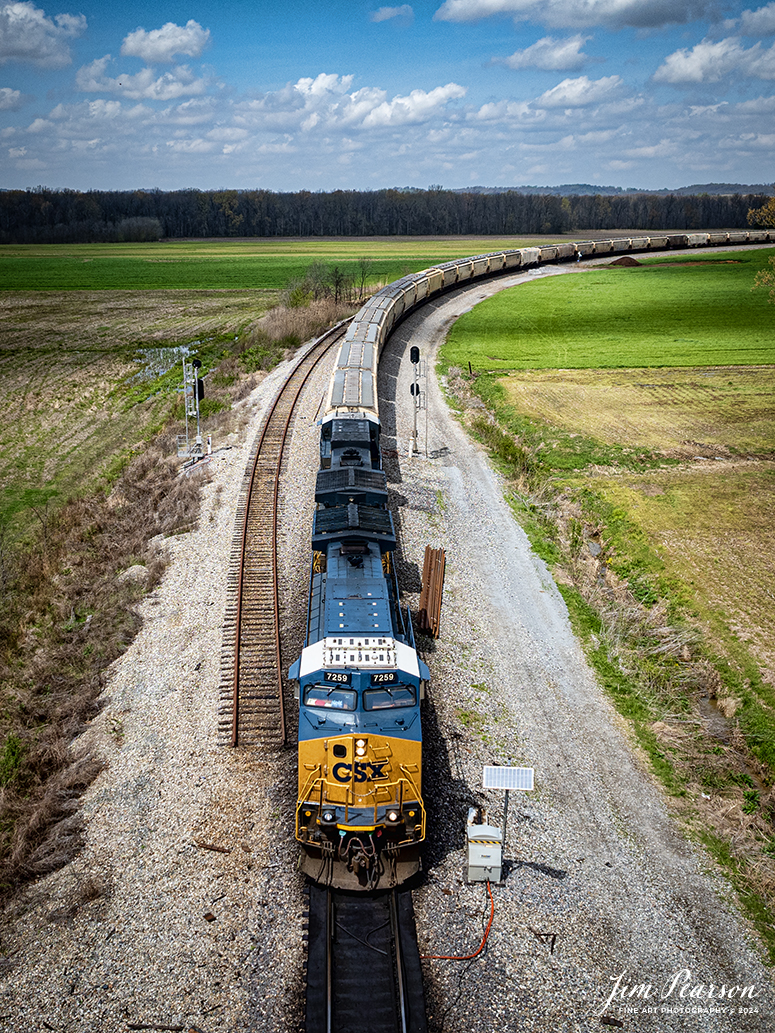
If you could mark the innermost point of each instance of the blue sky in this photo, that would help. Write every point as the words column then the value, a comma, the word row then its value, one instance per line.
column 353, row 95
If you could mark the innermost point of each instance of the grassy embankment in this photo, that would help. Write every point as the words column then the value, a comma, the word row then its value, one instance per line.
column 632, row 409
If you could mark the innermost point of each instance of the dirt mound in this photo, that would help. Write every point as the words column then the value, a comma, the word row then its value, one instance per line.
column 625, row 260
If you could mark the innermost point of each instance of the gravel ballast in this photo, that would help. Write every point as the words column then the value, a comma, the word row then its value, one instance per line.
column 184, row 908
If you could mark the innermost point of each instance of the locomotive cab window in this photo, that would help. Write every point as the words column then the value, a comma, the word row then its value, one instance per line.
column 330, row 697
column 389, row 696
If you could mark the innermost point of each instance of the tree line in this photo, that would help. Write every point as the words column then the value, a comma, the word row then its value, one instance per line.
column 42, row 215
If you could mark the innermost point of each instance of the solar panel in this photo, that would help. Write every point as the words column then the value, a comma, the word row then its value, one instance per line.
column 508, row 778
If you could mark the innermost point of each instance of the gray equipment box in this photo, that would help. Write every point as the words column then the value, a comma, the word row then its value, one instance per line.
column 485, row 851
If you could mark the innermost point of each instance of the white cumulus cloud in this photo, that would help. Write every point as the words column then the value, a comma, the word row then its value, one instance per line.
column 711, row 62
column 579, row 13
column 758, row 23
column 404, row 14
column 577, row 93
column 164, row 43
column 507, row 112
column 418, row 106
column 323, row 85
column 197, row 146
column 26, row 34
column 145, row 85
column 12, row 100
column 550, row 54
column 326, row 103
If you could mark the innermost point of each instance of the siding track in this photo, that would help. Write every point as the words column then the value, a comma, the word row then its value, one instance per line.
column 251, row 710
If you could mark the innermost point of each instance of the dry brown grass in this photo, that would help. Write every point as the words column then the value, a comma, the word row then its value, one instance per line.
column 712, row 528
column 111, row 320
column 682, row 412
column 68, row 616
column 68, row 361
column 306, row 321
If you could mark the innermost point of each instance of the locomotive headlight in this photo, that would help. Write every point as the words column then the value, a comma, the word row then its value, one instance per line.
column 360, row 747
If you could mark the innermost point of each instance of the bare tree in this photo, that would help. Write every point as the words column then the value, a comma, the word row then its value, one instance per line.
column 365, row 269
column 340, row 283
column 317, row 280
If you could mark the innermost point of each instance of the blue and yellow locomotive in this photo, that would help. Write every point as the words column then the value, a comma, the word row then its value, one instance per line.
column 360, row 814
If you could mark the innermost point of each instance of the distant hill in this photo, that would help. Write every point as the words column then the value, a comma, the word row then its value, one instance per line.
column 576, row 189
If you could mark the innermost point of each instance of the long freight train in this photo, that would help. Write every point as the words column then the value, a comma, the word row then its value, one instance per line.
column 360, row 816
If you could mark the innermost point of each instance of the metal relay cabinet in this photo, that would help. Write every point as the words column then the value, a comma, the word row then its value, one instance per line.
column 485, row 853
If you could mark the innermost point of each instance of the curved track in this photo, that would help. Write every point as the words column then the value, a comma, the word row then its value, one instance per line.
column 251, row 710
column 363, row 967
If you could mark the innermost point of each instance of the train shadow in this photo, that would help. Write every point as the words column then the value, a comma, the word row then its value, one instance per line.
column 447, row 798
column 409, row 573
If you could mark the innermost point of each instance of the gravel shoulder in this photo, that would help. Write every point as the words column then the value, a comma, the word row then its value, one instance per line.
column 185, row 908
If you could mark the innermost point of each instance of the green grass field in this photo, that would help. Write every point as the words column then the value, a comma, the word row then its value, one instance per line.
column 265, row 263
column 688, row 310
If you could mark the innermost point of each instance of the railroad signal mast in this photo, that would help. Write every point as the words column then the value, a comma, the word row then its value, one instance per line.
column 414, row 358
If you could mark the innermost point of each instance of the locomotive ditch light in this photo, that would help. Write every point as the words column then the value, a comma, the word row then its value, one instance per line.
column 393, row 817
column 328, row 817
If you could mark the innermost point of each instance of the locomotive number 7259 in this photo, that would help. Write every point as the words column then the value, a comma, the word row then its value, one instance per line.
column 340, row 678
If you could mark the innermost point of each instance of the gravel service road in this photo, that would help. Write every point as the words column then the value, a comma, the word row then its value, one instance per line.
column 184, row 910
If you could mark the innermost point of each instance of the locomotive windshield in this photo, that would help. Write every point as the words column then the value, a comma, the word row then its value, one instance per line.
column 333, row 698
column 394, row 696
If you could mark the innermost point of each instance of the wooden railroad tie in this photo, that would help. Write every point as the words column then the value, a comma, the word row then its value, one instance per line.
column 432, row 590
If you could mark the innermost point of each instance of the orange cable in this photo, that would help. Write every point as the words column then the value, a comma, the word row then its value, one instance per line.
column 466, row 957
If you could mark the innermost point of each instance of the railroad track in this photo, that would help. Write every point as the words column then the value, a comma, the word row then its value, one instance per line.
column 251, row 710
column 363, row 964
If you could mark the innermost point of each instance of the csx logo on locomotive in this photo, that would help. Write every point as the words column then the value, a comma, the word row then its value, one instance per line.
column 363, row 771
